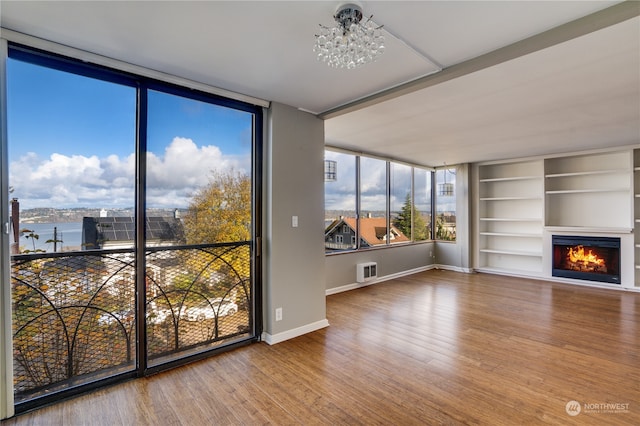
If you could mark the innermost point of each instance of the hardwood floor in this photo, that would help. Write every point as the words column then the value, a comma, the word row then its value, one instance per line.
column 437, row 347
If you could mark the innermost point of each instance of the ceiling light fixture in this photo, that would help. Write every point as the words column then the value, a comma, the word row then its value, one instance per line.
column 330, row 170
column 445, row 189
column 350, row 43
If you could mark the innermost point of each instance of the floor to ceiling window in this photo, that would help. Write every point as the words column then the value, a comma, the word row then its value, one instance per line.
column 400, row 202
column 422, row 205
column 445, row 226
column 198, row 163
column 340, row 202
column 133, row 224
column 71, row 152
column 372, row 220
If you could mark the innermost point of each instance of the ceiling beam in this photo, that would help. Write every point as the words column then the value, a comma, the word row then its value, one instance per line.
column 596, row 21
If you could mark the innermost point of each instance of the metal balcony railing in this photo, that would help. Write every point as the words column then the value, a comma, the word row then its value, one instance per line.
column 74, row 313
column 338, row 246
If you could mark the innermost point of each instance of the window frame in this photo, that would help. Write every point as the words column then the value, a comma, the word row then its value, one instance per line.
column 75, row 63
column 389, row 222
column 436, row 211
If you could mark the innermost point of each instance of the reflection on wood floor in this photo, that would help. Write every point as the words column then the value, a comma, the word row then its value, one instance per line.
column 438, row 347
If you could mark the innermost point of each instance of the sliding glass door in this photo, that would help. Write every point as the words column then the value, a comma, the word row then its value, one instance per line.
column 71, row 150
column 198, row 225
column 133, row 224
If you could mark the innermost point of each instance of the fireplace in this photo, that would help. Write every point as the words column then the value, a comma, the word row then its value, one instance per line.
column 586, row 258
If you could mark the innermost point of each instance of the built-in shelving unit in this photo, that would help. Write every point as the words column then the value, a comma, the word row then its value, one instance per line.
column 522, row 203
column 510, row 211
column 636, row 210
column 580, row 190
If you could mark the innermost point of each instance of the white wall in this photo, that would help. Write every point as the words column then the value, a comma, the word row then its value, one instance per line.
column 294, row 273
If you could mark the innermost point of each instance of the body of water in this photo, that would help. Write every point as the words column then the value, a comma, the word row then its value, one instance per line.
column 70, row 233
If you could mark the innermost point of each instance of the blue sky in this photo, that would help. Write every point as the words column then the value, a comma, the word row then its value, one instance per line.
column 52, row 111
column 72, row 138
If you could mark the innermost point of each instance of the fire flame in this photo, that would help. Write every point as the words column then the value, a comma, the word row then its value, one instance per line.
column 577, row 255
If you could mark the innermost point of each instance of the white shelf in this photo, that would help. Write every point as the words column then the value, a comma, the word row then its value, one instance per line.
column 612, row 162
column 511, row 219
column 586, row 190
column 512, row 252
column 587, row 173
column 510, row 194
column 509, row 271
column 509, row 198
column 509, row 179
column 589, row 229
column 510, row 234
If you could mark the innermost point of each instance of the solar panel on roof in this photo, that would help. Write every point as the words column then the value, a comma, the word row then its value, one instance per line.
column 97, row 230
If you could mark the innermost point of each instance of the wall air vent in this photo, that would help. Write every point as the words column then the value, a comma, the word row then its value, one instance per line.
column 366, row 271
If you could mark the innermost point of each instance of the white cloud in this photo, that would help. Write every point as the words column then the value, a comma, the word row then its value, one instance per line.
column 335, row 201
column 80, row 181
column 375, row 202
column 184, row 165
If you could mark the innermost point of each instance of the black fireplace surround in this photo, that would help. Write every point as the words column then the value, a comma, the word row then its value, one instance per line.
column 606, row 249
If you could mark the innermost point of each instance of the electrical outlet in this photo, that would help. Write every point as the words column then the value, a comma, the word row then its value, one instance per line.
column 278, row 314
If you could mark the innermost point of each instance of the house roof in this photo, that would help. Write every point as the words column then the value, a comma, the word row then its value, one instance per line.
column 98, row 230
column 374, row 229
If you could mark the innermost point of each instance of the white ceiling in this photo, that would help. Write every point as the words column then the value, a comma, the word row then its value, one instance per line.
column 583, row 93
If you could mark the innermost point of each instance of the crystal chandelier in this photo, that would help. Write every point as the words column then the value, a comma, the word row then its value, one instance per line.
column 350, row 43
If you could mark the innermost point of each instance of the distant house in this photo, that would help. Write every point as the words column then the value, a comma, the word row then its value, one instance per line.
column 119, row 232
column 341, row 233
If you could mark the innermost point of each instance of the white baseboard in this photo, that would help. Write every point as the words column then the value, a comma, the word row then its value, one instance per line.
column 454, row 268
column 354, row 286
column 560, row 280
column 272, row 339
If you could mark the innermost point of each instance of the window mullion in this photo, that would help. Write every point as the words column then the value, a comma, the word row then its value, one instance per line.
column 358, row 194
column 388, row 206
column 140, row 218
column 412, row 205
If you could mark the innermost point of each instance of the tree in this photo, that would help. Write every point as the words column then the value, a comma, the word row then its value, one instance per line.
column 403, row 221
column 28, row 233
column 443, row 232
column 220, row 211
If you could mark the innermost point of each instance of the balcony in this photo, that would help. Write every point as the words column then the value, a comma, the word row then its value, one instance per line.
column 74, row 313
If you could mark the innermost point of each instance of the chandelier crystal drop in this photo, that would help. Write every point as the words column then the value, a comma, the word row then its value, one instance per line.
column 350, row 43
